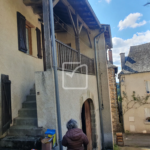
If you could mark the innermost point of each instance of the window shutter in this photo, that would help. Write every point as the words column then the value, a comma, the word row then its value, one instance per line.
column 21, row 21
column 38, row 34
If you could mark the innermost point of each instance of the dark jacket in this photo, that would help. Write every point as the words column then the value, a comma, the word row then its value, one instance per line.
column 75, row 139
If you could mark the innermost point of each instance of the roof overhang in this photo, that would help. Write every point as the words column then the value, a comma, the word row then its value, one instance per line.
column 81, row 7
column 107, row 34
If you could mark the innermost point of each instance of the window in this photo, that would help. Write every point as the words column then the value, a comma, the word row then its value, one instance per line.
column 147, row 112
column 147, row 86
column 21, row 22
column 25, row 36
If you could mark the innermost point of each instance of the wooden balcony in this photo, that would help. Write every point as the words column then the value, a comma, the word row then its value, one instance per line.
column 69, row 55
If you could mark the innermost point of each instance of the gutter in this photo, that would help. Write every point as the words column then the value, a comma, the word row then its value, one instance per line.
column 99, row 99
column 54, row 59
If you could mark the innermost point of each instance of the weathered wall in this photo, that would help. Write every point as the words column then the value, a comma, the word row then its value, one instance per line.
column 135, row 119
column 104, row 90
column 113, row 97
column 71, row 101
column 19, row 66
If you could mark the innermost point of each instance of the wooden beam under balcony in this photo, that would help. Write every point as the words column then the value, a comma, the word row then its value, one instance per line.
column 66, row 3
column 32, row 3
column 37, row 2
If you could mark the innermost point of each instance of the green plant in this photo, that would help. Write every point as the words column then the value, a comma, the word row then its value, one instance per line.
column 127, row 131
column 135, row 102
column 116, row 147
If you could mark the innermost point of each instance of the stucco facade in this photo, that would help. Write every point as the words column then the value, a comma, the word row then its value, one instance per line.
column 19, row 66
column 102, row 79
column 71, row 101
column 135, row 118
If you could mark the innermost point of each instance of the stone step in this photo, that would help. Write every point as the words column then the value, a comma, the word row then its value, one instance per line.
column 29, row 104
column 31, row 97
column 25, row 121
column 32, row 91
column 27, row 112
column 20, row 143
column 25, row 131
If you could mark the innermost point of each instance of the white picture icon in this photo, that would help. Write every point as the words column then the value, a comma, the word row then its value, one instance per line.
column 70, row 80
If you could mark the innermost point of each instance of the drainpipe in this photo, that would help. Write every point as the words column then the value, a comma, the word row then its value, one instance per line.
column 99, row 99
column 54, row 59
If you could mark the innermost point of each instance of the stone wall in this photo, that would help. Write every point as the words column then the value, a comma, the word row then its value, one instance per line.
column 113, row 97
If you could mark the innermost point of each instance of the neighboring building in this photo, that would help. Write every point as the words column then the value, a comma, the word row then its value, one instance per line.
column 112, row 71
column 135, row 83
column 27, row 57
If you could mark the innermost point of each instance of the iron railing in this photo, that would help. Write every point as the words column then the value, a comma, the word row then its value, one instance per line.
column 69, row 55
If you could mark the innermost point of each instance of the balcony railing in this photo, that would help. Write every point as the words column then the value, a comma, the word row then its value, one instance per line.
column 67, row 54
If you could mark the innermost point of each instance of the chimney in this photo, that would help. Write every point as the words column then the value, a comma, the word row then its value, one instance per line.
column 110, row 56
column 122, row 57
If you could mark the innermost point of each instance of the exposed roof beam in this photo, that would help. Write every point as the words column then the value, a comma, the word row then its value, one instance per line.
column 93, row 12
column 71, row 18
column 31, row 3
column 37, row 2
column 66, row 3
column 80, row 28
column 89, row 39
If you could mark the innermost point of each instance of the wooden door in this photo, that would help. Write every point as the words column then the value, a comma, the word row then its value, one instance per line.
column 88, row 124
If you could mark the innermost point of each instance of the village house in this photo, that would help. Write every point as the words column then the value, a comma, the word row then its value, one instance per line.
column 134, row 82
column 38, row 91
column 112, row 71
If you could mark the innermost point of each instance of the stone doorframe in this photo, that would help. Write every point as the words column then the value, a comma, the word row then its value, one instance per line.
column 90, row 97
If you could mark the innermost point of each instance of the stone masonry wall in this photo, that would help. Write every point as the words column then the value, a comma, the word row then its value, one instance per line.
column 113, row 97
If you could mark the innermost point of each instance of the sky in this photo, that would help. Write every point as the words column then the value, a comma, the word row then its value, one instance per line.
column 129, row 21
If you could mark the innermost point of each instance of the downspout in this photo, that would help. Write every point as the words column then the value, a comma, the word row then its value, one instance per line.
column 99, row 99
column 54, row 59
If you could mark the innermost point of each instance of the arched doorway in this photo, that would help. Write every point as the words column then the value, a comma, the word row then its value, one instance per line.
column 88, row 123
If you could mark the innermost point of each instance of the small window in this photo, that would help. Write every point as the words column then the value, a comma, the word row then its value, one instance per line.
column 147, row 114
column 147, row 86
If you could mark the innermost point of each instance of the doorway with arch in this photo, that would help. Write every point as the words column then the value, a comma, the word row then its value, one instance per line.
column 89, row 123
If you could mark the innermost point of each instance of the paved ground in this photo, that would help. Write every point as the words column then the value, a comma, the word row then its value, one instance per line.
column 133, row 148
column 136, row 142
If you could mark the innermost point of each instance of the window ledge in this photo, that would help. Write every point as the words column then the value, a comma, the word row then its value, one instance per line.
column 30, row 55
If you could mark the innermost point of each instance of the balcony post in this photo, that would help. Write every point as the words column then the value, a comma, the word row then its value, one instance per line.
column 47, row 38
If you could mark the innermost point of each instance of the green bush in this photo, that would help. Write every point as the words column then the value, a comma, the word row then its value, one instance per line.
column 116, row 147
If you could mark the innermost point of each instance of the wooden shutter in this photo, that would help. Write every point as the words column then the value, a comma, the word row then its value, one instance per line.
column 38, row 34
column 21, row 21
column 43, row 45
column 6, row 103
